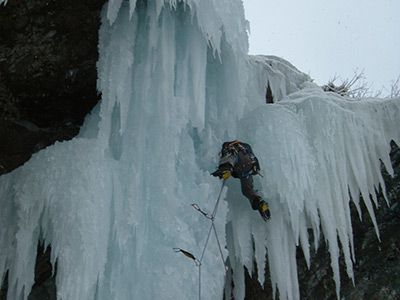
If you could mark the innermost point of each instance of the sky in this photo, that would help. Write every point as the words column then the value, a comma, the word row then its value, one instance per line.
column 327, row 38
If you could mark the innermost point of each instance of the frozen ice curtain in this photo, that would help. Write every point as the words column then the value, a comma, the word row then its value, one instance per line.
column 176, row 82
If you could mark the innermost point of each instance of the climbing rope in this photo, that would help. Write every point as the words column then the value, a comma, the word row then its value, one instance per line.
column 198, row 262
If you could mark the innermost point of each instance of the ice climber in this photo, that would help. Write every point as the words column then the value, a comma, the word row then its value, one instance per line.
column 237, row 160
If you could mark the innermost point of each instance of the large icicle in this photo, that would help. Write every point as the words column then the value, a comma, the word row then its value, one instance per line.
column 176, row 82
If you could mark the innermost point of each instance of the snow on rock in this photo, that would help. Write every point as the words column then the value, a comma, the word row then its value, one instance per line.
column 176, row 82
column 282, row 77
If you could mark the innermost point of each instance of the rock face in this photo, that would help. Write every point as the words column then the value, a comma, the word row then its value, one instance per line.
column 48, row 54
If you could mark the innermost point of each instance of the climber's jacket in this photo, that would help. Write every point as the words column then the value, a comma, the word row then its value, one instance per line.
column 238, row 158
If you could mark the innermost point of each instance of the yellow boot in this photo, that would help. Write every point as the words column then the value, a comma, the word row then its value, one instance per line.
column 263, row 208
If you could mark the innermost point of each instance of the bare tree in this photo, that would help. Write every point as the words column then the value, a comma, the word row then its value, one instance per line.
column 395, row 88
column 357, row 87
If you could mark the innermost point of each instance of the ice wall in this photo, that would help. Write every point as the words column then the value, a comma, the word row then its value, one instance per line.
column 317, row 150
column 176, row 82
column 114, row 201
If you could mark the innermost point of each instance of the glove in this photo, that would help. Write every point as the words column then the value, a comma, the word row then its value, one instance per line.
column 222, row 174
column 226, row 174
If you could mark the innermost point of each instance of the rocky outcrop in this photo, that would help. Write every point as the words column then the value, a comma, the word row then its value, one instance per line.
column 48, row 54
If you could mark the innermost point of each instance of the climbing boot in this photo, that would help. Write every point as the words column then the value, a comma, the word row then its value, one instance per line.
column 264, row 210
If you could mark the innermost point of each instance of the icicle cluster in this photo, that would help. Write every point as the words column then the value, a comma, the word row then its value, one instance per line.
column 176, row 82
column 319, row 151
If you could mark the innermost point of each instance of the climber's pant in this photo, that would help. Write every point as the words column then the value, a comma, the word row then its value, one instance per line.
column 249, row 192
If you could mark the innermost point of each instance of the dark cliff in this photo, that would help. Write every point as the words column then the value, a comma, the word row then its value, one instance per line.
column 48, row 54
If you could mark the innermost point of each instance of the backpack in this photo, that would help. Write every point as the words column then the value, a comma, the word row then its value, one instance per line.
column 246, row 164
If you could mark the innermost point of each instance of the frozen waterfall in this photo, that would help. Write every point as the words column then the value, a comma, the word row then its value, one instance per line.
column 176, row 81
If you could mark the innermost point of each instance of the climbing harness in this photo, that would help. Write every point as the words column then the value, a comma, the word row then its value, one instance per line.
column 211, row 217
